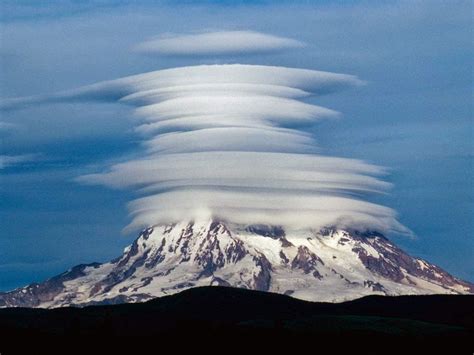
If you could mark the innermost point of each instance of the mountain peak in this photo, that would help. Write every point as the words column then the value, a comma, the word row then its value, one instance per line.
column 329, row 265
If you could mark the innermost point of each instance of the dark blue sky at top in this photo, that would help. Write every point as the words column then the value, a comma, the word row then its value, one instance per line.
column 414, row 116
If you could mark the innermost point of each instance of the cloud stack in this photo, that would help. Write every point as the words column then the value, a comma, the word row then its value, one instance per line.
column 229, row 142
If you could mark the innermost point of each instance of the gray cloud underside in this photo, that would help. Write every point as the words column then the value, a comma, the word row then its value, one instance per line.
column 225, row 141
column 217, row 43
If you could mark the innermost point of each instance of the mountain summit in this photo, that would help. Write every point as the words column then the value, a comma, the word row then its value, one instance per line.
column 330, row 265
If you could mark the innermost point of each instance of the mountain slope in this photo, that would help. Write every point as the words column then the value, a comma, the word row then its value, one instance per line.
column 327, row 265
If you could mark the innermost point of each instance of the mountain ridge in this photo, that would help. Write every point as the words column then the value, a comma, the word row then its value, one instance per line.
column 332, row 265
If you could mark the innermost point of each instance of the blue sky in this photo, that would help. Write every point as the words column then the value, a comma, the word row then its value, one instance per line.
column 414, row 116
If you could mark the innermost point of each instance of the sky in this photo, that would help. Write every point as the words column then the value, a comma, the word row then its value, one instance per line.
column 412, row 116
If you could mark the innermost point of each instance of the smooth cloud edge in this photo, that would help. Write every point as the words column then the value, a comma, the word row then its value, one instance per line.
column 217, row 43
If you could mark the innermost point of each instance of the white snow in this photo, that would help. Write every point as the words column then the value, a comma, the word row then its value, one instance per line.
column 343, row 273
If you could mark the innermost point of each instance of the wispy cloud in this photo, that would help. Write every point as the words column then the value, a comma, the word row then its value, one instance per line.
column 217, row 43
column 6, row 126
column 11, row 160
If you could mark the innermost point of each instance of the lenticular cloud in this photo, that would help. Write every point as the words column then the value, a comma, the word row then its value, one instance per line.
column 217, row 43
column 226, row 141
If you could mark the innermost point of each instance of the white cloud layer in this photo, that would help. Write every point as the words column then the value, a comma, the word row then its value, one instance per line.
column 217, row 43
column 226, row 141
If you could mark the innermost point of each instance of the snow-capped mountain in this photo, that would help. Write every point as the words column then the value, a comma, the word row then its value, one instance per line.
column 327, row 265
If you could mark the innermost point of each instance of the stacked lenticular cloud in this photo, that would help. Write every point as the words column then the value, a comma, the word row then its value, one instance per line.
column 229, row 142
